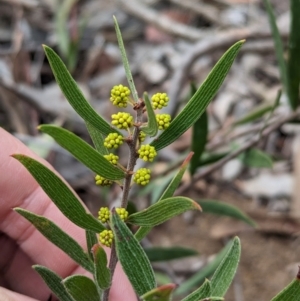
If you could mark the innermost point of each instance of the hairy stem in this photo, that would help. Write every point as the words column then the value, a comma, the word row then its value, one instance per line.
column 132, row 143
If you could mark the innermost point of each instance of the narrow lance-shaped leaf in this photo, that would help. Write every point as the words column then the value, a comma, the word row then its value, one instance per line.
column 161, row 293
column 199, row 139
column 102, row 273
column 125, row 61
column 291, row 292
column 73, row 94
column 54, row 282
column 278, row 44
column 162, row 211
column 177, row 179
column 202, row 292
column 81, row 288
column 256, row 158
column 207, row 159
column 152, row 127
column 58, row 237
column 212, row 299
column 164, row 254
column 60, row 194
column 133, row 259
column 225, row 272
column 143, row 231
column 205, row 272
column 293, row 64
column 83, row 152
column 199, row 102
column 97, row 138
column 254, row 115
column 91, row 240
column 219, row 208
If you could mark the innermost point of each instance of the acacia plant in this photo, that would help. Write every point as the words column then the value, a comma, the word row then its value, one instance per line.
column 111, row 229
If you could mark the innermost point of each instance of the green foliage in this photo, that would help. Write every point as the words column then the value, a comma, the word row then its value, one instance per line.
column 164, row 254
column 102, row 272
column 83, row 152
column 293, row 70
column 225, row 272
column 201, row 99
column 54, row 282
column 161, row 293
column 73, row 94
column 202, row 292
column 289, row 293
column 152, row 127
column 219, row 208
column 161, row 211
column 205, row 272
column 60, row 194
column 256, row 158
column 58, row 237
column 132, row 257
column 115, row 232
column 81, row 288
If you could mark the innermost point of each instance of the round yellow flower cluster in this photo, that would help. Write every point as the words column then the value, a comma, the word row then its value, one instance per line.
column 119, row 96
column 159, row 100
column 147, row 152
column 163, row 121
column 113, row 140
column 142, row 176
column 122, row 120
column 104, row 214
column 123, row 213
column 113, row 159
column 106, row 237
column 102, row 181
column 142, row 136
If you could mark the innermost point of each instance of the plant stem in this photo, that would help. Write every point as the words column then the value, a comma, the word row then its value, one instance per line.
column 126, row 187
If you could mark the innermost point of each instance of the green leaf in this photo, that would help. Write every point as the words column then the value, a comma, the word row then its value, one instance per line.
column 207, row 159
column 91, row 240
column 54, row 282
column 203, row 291
column 60, row 194
column 278, row 44
column 73, row 94
column 125, row 62
column 256, row 158
column 58, row 237
column 293, row 70
column 225, row 272
column 164, row 254
column 162, row 211
column 254, row 115
column 161, row 293
column 133, row 258
column 83, row 152
column 152, row 127
column 142, row 232
column 97, row 139
column 102, row 273
column 198, row 103
column 219, row 208
column 81, row 288
column 290, row 292
column 177, row 179
column 199, row 138
column 200, row 276
column 213, row 299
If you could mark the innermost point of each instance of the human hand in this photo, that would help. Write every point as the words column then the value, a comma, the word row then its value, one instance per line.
column 21, row 245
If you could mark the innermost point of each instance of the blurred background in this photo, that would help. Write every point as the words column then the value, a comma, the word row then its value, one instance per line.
column 252, row 143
